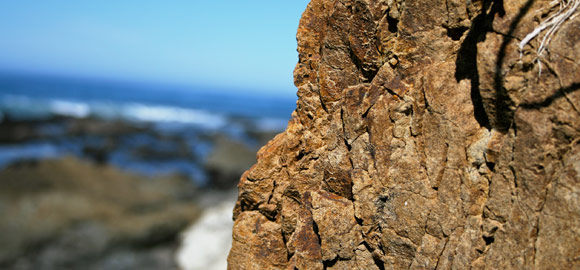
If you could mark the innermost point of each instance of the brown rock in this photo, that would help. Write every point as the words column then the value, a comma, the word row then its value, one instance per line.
column 421, row 140
column 257, row 243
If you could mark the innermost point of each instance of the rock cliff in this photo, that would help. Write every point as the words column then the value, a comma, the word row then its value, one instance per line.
column 422, row 140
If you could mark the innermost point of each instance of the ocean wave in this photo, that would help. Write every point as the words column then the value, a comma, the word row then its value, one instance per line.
column 22, row 107
column 147, row 113
column 69, row 108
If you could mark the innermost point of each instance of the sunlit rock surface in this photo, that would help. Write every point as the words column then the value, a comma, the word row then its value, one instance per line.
column 420, row 140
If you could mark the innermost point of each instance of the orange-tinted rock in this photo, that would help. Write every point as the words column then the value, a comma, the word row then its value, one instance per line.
column 421, row 140
column 257, row 243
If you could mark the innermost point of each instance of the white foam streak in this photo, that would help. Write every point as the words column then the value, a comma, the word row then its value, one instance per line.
column 69, row 108
column 205, row 245
column 145, row 113
column 110, row 110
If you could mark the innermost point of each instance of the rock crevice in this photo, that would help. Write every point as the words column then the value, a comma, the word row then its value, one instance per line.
column 420, row 140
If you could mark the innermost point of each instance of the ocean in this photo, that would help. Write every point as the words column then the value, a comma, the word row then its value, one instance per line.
column 145, row 128
column 41, row 96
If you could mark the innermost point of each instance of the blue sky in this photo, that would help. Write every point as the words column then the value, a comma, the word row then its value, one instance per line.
column 227, row 43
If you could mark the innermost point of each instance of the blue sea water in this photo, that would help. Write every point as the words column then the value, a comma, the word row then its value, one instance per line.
column 184, row 114
column 41, row 96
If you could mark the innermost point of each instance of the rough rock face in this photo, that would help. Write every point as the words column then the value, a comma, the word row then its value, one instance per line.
column 420, row 140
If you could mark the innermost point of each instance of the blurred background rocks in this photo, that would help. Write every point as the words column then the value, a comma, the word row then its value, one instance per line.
column 93, row 192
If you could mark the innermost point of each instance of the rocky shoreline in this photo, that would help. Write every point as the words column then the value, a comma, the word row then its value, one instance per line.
column 103, row 196
column 73, row 214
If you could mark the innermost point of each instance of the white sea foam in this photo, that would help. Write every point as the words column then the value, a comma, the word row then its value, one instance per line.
column 37, row 107
column 205, row 245
column 25, row 107
column 70, row 108
column 147, row 113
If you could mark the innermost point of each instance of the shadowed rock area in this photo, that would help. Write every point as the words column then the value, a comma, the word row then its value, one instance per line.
column 420, row 140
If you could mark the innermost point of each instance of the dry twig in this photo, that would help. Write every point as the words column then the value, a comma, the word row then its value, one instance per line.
column 567, row 10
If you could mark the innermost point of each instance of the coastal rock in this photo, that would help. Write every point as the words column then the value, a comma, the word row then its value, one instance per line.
column 227, row 161
column 420, row 140
column 72, row 214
